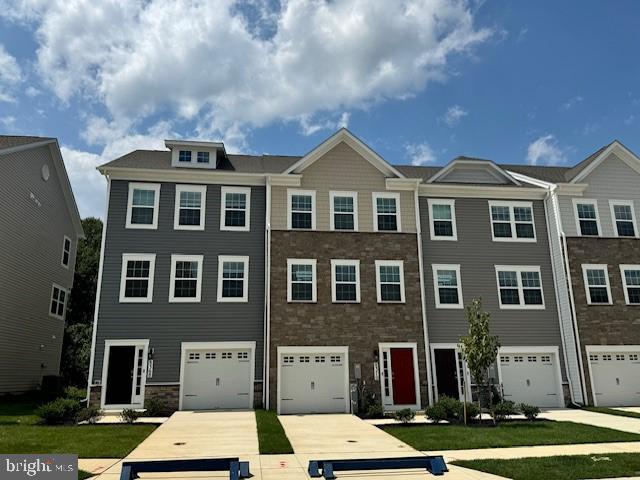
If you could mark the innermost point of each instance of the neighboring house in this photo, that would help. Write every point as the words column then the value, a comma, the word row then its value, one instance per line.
column 597, row 202
column 307, row 283
column 40, row 228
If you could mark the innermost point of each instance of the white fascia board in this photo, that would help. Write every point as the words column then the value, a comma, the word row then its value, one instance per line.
column 477, row 191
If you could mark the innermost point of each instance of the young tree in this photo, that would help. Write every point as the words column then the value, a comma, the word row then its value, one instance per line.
column 479, row 348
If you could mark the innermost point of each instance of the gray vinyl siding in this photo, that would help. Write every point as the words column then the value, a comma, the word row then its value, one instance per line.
column 33, row 221
column 166, row 324
column 477, row 256
column 471, row 175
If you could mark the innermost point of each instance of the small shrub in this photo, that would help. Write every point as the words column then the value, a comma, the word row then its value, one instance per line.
column 89, row 415
column 75, row 393
column 436, row 413
column 452, row 408
column 472, row 411
column 529, row 411
column 59, row 411
column 129, row 415
column 405, row 415
column 502, row 410
column 154, row 407
column 374, row 410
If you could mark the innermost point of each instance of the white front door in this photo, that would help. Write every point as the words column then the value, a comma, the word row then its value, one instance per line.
column 531, row 378
column 313, row 381
column 217, row 378
column 616, row 377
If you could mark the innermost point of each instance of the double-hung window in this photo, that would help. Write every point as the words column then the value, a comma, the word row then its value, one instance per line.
column 390, row 281
column 448, row 286
column 66, row 251
column 190, row 207
column 519, row 287
column 203, row 157
column 235, row 208
column 442, row 224
column 142, row 206
column 233, row 273
column 184, row 156
column 301, row 210
column 596, row 283
column 344, row 210
column 631, row 283
column 136, row 280
column 587, row 218
column 386, row 212
column 345, row 281
column 624, row 218
column 512, row 222
column 301, row 280
column 58, row 301
column 186, row 278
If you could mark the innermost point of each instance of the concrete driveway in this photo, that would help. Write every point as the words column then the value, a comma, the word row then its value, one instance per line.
column 625, row 424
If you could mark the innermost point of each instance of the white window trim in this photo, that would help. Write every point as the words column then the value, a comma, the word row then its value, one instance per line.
column 334, row 263
column 223, row 208
column 314, row 285
column 374, row 205
column 245, row 283
column 624, row 282
column 436, row 288
column 596, row 266
column 202, row 189
column 64, row 306
column 390, row 263
column 143, row 186
column 64, row 240
column 614, row 222
column 354, row 196
column 172, row 285
column 151, row 258
column 452, row 203
column 586, row 201
column 512, row 221
column 312, row 193
column 519, row 269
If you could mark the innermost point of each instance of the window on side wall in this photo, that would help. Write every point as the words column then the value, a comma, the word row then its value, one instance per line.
column 442, row 216
column 624, row 218
column 512, row 222
column 596, row 282
column 301, row 210
column 631, row 283
column 519, row 287
column 58, row 303
column 448, row 286
column 136, row 279
column 190, row 205
column 66, row 251
column 587, row 217
column 344, row 210
column 142, row 205
column 301, row 283
column 345, row 281
column 390, row 281
column 233, row 278
column 386, row 212
column 235, row 208
column 186, row 278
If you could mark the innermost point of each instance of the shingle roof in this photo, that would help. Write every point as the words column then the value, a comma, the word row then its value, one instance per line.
column 10, row 141
column 548, row 174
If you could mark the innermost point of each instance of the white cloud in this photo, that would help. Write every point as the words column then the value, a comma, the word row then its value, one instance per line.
column 454, row 114
column 10, row 75
column 232, row 65
column 572, row 102
column 546, row 150
column 420, row 153
column 309, row 127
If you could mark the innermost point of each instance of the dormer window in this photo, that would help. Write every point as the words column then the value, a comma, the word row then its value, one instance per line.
column 184, row 156
column 203, row 157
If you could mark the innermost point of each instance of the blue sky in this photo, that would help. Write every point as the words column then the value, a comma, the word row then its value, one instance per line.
column 420, row 81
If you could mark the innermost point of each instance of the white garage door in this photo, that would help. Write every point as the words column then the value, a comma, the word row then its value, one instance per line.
column 219, row 378
column 616, row 377
column 531, row 378
column 313, row 383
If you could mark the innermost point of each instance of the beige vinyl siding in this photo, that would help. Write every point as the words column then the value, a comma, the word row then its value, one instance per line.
column 342, row 169
column 611, row 180
column 463, row 174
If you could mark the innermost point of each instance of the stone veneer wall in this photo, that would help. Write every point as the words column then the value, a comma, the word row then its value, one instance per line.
column 617, row 324
column 360, row 326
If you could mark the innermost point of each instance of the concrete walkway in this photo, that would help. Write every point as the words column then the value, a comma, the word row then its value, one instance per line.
column 629, row 409
column 624, row 424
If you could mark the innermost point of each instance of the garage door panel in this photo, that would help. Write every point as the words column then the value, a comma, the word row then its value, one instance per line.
column 616, row 377
column 530, row 378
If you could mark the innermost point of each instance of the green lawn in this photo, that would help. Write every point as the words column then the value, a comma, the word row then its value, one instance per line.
column 507, row 434
column 609, row 465
column 613, row 411
column 82, row 475
column 20, row 433
column 271, row 436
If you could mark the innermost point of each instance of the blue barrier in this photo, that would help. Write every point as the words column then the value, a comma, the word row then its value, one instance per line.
column 237, row 469
column 435, row 465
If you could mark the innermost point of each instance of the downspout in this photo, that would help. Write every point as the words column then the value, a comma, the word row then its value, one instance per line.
column 422, row 295
column 97, row 299
column 267, row 294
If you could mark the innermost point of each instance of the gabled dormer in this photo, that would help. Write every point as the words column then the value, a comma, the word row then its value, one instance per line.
column 196, row 154
column 464, row 170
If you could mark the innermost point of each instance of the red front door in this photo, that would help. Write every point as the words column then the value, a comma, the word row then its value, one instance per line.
column 402, row 376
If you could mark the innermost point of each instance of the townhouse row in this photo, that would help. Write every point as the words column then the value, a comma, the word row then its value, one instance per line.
column 318, row 283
